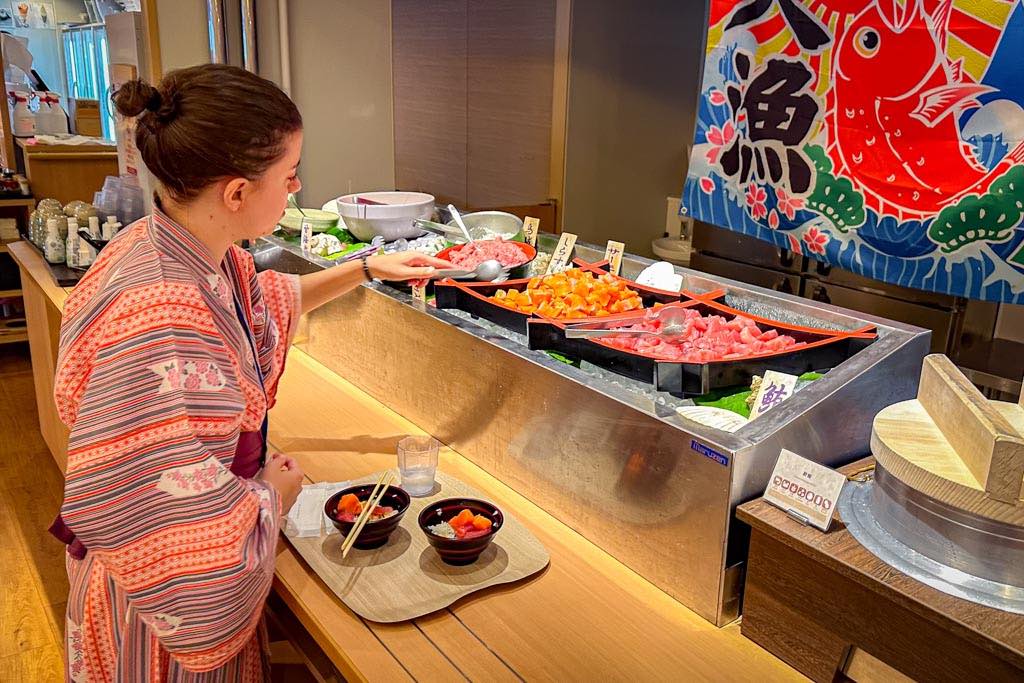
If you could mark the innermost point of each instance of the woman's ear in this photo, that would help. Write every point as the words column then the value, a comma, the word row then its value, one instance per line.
column 234, row 193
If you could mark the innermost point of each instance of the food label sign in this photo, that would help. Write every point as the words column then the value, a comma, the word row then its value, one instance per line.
column 776, row 387
column 563, row 252
column 531, row 226
column 419, row 291
column 305, row 233
column 613, row 255
column 805, row 489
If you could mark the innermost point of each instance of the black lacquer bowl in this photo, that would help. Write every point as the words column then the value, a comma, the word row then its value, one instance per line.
column 459, row 551
column 373, row 534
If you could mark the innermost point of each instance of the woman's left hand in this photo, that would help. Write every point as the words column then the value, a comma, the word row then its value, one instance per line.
column 408, row 265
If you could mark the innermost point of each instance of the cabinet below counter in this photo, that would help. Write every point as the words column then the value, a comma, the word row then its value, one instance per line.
column 44, row 303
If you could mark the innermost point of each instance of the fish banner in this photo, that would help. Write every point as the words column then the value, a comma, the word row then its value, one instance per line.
column 885, row 137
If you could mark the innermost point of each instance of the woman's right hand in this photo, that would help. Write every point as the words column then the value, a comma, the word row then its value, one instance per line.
column 284, row 474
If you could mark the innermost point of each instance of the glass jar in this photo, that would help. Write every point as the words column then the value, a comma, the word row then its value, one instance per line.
column 71, row 207
column 84, row 212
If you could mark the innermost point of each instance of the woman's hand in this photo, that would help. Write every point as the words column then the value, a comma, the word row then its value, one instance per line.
column 408, row 265
column 284, row 474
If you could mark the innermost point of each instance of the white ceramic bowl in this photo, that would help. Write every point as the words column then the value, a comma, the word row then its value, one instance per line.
column 392, row 219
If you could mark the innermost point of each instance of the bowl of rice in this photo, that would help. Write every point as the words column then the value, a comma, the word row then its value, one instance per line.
column 460, row 544
column 383, row 521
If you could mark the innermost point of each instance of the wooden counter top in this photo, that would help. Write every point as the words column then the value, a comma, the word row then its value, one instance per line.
column 33, row 264
column 586, row 617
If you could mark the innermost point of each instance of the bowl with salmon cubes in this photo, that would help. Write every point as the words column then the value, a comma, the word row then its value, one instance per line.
column 460, row 529
column 344, row 507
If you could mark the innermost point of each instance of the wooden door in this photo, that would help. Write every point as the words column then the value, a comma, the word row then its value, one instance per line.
column 474, row 87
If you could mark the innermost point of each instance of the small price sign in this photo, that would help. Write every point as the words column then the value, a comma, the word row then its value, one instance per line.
column 563, row 252
column 613, row 255
column 531, row 226
column 805, row 489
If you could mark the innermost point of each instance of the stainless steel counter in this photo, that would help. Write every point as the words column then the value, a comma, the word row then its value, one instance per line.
column 611, row 457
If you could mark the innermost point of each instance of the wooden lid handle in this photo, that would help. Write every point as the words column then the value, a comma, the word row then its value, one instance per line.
column 990, row 447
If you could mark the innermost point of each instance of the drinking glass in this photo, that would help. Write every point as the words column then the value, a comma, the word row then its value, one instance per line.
column 417, row 463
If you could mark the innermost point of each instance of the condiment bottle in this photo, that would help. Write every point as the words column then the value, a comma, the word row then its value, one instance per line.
column 72, row 244
column 85, row 255
column 110, row 228
column 54, row 248
column 94, row 227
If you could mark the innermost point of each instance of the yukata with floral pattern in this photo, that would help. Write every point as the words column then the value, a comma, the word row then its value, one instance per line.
column 156, row 380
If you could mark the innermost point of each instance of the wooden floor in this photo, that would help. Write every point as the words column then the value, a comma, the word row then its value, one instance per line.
column 33, row 581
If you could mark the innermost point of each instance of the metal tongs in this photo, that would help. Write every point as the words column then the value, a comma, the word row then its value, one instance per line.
column 672, row 319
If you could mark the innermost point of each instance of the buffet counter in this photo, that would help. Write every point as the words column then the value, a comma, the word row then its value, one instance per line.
column 586, row 617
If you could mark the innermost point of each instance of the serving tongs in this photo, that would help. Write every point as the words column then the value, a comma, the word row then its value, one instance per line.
column 672, row 319
column 488, row 271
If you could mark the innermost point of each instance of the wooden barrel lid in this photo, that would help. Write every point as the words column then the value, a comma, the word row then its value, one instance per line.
column 953, row 445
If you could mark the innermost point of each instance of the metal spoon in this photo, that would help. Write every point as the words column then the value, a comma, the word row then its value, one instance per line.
column 458, row 221
column 673, row 321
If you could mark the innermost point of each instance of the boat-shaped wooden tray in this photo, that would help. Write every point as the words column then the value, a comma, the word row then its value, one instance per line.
column 405, row 578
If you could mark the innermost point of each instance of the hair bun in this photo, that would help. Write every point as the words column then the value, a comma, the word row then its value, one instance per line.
column 137, row 97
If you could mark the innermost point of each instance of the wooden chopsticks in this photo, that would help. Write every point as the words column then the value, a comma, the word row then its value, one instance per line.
column 379, row 489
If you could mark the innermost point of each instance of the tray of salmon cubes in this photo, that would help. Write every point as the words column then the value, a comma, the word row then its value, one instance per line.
column 711, row 346
column 580, row 293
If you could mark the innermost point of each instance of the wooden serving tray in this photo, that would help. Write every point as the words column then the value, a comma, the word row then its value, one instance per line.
column 405, row 578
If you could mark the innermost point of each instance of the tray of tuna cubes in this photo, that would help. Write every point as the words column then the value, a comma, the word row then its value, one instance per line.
column 717, row 347
column 580, row 293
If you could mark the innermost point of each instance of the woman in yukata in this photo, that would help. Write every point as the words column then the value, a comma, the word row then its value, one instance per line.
column 171, row 350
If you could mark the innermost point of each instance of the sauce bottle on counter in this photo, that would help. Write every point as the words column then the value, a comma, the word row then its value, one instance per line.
column 96, row 233
column 110, row 228
column 53, row 250
column 85, row 256
column 71, row 249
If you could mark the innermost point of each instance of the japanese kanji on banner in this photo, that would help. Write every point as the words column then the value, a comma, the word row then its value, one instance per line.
column 882, row 136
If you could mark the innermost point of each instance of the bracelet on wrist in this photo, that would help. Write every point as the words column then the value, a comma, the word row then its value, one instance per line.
column 366, row 269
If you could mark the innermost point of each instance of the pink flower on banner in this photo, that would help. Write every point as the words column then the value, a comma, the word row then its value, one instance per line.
column 773, row 220
column 193, row 382
column 212, row 377
column 707, row 184
column 202, row 367
column 788, row 205
column 719, row 138
column 816, row 240
column 756, row 197
column 717, row 97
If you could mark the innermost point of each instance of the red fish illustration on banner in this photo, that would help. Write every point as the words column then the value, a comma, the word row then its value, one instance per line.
column 900, row 136
column 883, row 136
